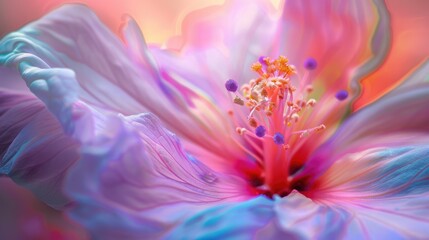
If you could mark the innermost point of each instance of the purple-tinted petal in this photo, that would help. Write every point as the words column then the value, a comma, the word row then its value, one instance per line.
column 134, row 172
column 143, row 181
column 76, row 50
column 34, row 151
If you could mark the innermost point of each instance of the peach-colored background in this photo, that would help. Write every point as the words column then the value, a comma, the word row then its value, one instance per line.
column 161, row 19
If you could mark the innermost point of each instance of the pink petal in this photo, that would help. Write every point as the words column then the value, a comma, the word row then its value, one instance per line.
column 339, row 35
column 385, row 188
column 400, row 118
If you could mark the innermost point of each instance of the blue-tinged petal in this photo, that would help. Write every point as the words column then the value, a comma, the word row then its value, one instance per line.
column 244, row 220
column 34, row 151
column 381, row 172
column 386, row 189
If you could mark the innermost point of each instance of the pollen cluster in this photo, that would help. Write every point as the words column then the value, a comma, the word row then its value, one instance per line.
column 271, row 99
column 274, row 115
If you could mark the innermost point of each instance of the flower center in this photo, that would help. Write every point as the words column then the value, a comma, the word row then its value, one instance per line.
column 275, row 123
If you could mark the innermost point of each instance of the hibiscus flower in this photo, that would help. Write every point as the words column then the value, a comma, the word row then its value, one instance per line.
column 240, row 128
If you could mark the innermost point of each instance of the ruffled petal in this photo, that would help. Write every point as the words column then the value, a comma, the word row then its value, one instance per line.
column 34, row 151
column 73, row 41
column 133, row 171
column 143, row 181
column 301, row 218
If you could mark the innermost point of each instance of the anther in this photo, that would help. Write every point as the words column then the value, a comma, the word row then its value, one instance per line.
column 240, row 130
column 311, row 102
column 261, row 60
column 257, row 67
column 231, row 85
column 342, row 95
column 253, row 122
column 278, row 138
column 321, row 127
column 239, row 101
column 309, row 89
column 260, row 131
column 295, row 117
column 310, row 64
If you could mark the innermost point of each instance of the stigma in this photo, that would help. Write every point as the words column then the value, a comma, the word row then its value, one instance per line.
column 273, row 109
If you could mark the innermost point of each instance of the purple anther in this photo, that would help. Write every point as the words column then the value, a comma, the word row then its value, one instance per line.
column 231, row 85
column 310, row 64
column 261, row 60
column 260, row 131
column 278, row 138
column 342, row 95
